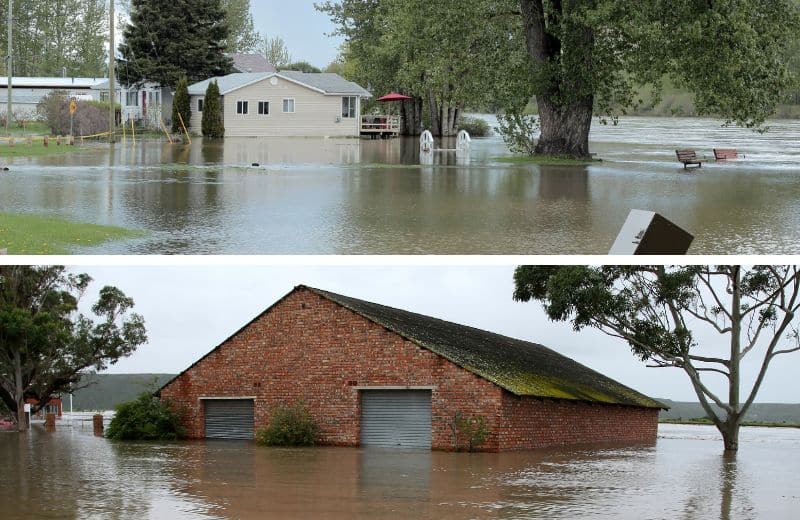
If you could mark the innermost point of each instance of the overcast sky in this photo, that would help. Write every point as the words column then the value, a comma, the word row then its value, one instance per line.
column 302, row 27
column 190, row 310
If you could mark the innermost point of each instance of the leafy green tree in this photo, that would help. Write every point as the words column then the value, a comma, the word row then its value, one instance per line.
column 242, row 34
column 46, row 344
column 52, row 36
column 165, row 41
column 444, row 55
column 301, row 66
column 145, row 419
column 589, row 55
column 662, row 311
column 212, row 124
column 181, row 105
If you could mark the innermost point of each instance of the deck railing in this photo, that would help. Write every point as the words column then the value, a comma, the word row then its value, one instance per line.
column 380, row 124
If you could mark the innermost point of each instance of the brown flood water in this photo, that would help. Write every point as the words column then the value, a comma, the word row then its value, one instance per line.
column 70, row 474
column 349, row 196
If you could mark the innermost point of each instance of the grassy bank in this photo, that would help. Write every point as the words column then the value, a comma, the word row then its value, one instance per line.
column 37, row 149
column 544, row 160
column 707, row 422
column 39, row 235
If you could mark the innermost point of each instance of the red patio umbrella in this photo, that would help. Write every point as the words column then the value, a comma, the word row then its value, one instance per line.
column 393, row 96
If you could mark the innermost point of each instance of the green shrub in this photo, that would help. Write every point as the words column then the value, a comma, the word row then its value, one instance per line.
column 472, row 428
column 212, row 123
column 181, row 105
column 475, row 127
column 145, row 419
column 519, row 132
column 290, row 426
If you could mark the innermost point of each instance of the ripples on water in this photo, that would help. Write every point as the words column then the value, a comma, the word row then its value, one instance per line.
column 345, row 196
column 71, row 474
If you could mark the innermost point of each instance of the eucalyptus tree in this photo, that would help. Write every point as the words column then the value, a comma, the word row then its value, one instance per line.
column 662, row 313
column 46, row 344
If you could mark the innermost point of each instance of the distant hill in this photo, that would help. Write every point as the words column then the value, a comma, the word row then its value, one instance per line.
column 106, row 391
column 759, row 412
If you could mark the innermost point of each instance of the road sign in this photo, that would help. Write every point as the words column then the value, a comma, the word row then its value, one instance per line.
column 73, row 107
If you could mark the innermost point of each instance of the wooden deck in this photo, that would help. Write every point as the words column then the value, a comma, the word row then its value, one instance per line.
column 380, row 127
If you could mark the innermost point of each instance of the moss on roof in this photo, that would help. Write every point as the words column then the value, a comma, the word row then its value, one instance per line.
column 521, row 367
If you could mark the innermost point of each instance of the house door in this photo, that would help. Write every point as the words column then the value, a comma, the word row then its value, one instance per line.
column 396, row 419
column 229, row 419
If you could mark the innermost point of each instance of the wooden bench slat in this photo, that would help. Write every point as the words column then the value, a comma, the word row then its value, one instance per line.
column 722, row 154
column 689, row 157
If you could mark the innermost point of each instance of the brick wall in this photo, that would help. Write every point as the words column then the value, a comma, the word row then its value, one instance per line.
column 530, row 422
column 309, row 349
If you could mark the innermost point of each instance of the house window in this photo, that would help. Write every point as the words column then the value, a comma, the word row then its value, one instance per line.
column 132, row 99
column 288, row 106
column 263, row 108
column 242, row 107
column 200, row 105
column 349, row 107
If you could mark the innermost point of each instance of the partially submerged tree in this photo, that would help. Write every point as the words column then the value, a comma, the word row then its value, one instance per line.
column 212, row 124
column 659, row 311
column 590, row 55
column 167, row 40
column 445, row 55
column 46, row 344
column 181, row 105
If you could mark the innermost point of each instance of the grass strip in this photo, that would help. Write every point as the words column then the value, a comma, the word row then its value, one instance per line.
column 43, row 235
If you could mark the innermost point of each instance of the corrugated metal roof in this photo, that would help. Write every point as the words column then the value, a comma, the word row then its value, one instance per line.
column 325, row 83
column 52, row 82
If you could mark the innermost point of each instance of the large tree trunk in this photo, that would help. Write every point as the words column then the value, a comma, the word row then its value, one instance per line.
column 19, row 394
column 730, row 435
column 565, row 104
column 565, row 130
column 411, row 111
column 434, row 114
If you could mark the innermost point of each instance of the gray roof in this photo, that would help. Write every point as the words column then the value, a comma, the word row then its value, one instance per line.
column 251, row 63
column 326, row 83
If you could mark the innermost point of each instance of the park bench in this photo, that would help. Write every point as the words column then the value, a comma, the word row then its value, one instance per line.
column 689, row 157
column 723, row 154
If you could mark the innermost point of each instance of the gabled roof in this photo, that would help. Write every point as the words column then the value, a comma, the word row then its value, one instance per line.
column 251, row 63
column 520, row 367
column 325, row 83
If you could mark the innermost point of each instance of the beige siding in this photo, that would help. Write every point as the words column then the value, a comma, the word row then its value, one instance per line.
column 315, row 114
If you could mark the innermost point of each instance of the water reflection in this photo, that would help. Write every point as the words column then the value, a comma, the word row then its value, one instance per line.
column 71, row 474
column 347, row 196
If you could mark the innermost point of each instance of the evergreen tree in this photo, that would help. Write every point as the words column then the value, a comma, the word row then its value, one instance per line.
column 213, row 125
column 181, row 105
column 167, row 40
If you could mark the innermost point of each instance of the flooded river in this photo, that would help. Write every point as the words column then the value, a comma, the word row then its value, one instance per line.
column 348, row 196
column 70, row 474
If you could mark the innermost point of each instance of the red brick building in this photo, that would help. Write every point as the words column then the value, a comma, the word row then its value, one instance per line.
column 372, row 375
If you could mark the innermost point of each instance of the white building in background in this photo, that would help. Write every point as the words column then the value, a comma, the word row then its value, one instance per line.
column 27, row 92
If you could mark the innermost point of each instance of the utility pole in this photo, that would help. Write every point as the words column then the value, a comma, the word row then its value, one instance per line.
column 10, row 61
column 112, row 79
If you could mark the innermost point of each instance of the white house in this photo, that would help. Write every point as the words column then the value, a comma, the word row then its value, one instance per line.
column 284, row 104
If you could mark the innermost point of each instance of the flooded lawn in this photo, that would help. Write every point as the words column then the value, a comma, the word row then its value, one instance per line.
column 70, row 474
column 346, row 196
